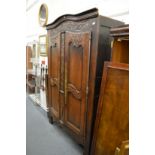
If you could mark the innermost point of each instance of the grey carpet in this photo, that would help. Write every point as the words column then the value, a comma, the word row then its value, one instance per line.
column 42, row 138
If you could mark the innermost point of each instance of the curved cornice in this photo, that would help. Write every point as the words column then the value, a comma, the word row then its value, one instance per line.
column 74, row 17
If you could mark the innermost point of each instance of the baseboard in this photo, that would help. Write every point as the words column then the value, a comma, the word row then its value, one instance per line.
column 39, row 107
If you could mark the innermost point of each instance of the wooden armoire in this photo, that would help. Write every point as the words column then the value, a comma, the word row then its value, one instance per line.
column 78, row 45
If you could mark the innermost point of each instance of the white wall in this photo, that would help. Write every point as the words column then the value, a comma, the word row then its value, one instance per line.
column 117, row 9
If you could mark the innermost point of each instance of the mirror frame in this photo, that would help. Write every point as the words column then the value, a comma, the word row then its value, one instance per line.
column 39, row 15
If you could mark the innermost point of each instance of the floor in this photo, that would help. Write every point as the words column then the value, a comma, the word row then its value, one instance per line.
column 44, row 138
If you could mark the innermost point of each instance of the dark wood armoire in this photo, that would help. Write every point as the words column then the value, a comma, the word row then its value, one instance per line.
column 78, row 45
column 111, row 133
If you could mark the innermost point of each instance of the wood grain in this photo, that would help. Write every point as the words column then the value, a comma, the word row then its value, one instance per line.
column 112, row 122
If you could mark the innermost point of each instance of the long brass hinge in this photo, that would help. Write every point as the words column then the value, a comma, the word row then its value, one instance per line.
column 90, row 36
column 87, row 90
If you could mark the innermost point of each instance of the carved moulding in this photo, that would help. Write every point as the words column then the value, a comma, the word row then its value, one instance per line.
column 73, row 26
column 54, row 82
column 76, row 40
column 76, row 93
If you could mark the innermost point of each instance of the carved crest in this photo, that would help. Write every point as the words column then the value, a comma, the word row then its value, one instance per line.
column 53, row 41
column 72, row 26
column 76, row 39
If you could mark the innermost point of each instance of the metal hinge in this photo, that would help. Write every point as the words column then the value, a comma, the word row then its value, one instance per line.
column 90, row 36
column 87, row 90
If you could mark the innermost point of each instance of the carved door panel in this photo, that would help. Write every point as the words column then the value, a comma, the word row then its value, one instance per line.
column 54, row 74
column 77, row 53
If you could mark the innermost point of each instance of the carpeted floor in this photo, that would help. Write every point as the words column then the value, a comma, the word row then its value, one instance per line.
column 42, row 138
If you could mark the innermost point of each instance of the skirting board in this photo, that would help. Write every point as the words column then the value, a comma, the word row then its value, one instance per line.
column 35, row 98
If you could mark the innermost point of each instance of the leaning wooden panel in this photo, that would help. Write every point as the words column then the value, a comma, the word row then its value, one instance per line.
column 112, row 121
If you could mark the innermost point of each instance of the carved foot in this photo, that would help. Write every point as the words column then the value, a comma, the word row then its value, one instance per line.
column 50, row 118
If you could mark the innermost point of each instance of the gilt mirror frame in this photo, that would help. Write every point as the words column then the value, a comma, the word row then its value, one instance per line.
column 43, row 15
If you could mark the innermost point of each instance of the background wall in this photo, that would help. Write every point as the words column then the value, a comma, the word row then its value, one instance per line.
column 117, row 9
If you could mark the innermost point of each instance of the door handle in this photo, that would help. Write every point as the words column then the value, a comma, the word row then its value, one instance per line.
column 54, row 45
column 117, row 151
column 54, row 81
column 61, row 91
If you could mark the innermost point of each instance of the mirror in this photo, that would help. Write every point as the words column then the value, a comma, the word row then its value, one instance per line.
column 43, row 15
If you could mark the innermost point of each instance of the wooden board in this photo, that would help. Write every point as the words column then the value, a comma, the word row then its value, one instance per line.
column 112, row 122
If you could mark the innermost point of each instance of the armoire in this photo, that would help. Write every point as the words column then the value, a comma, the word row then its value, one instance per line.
column 78, row 45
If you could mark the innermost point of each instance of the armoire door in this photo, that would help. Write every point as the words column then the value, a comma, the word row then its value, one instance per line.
column 77, row 55
column 54, row 75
